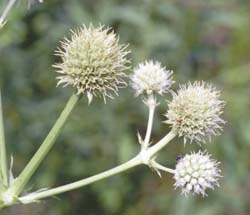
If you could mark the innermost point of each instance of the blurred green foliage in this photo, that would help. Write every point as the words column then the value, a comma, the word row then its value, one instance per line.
column 199, row 40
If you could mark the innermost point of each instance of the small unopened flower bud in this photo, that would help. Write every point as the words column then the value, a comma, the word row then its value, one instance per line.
column 196, row 172
column 195, row 112
column 93, row 62
column 150, row 77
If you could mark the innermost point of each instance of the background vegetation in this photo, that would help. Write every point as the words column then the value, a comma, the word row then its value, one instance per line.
column 199, row 40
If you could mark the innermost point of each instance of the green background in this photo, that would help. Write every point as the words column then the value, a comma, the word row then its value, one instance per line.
column 199, row 40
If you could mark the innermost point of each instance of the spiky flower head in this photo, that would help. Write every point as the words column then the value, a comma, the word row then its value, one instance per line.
column 93, row 62
column 150, row 77
column 196, row 172
column 195, row 112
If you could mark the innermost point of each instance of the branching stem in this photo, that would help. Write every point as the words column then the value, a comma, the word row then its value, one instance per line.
column 121, row 168
column 152, row 151
column 137, row 160
column 45, row 147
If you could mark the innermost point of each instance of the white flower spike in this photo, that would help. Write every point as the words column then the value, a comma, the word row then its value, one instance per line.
column 150, row 77
column 195, row 112
column 196, row 172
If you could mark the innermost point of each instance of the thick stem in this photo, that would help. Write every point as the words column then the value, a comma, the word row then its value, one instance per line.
column 43, row 194
column 47, row 144
column 3, row 160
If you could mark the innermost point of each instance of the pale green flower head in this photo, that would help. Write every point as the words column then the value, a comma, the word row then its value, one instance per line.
column 195, row 112
column 93, row 62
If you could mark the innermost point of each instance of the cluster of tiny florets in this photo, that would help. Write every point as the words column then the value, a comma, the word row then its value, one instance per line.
column 150, row 77
column 196, row 172
column 93, row 62
column 195, row 112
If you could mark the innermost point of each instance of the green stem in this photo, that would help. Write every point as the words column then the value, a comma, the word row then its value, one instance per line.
column 137, row 160
column 3, row 159
column 163, row 168
column 153, row 150
column 43, row 194
column 151, row 106
column 6, row 11
column 47, row 144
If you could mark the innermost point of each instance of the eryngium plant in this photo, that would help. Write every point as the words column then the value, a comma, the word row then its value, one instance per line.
column 93, row 63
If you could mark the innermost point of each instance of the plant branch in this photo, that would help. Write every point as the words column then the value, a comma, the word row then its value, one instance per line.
column 145, row 156
column 78, row 184
column 151, row 103
column 163, row 168
column 153, row 150
column 3, row 159
column 137, row 160
column 45, row 147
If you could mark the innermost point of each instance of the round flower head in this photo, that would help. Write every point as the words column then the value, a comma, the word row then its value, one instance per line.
column 196, row 172
column 93, row 62
column 195, row 112
column 151, row 77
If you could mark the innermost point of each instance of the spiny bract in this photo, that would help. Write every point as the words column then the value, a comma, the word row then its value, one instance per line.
column 195, row 112
column 93, row 62
column 196, row 172
column 151, row 77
